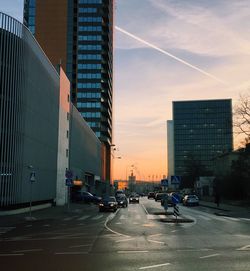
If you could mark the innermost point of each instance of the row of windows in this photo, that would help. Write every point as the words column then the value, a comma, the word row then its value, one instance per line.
column 89, row 66
column 90, row 19
column 89, row 105
column 94, row 124
column 89, row 47
column 91, row 114
column 88, row 75
column 90, row 37
column 90, row 1
column 88, row 85
column 89, row 56
column 90, row 28
column 88, row 10
column 88, row 95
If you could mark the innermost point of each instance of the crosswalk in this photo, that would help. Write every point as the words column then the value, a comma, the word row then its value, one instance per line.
column 122, row 218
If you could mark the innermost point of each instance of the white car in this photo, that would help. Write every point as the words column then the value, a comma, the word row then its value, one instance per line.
column 191, row 200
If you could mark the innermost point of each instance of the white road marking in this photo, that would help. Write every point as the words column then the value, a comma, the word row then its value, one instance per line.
column 157, row 242
column 154, row 266
column 132, row 251
column 193, row 250
column 118, row 223
column 154, row 235
column 152, row 217
column 28, row 250
column 209, row 256
column 162, row 216
column 122, row 217
column 97, row 217
column 87, row 245
column 124, row 240
column 232, row 218
column 204, row 217
column 247, row 247
column 174, row 231
column 83, row 217
column 144, row 208
column 71, row 253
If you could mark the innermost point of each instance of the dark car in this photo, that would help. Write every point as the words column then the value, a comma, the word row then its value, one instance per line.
column 190, row 200
column 108, row 204
column 134, row 198
column 151, row 195
column 122, row 200
column 86, row 197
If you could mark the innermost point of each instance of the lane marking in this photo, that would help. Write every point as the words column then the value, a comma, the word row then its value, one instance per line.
column 13, row 254
column 154, row 266
column 154, row 235
column 204, row 217
column 152, row 217
column 28, row 250
column 144, row 208
column 231, row 218
column 71, row 253
column 247, row 247
column 132, row 251
column 83, row 217
column 87, row 245
column 193, row 250
column 124, row 240
column 162, row 216
column 97, row 217
column 209, row 256
column 118, row 223
column 158, row 242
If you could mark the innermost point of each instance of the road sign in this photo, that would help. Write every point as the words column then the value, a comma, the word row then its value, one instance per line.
column 175, row 179
column 69, row 182
column 164, row 182
column 175, row 198
column 69, row 174
column 176, row 211
column 32, row 176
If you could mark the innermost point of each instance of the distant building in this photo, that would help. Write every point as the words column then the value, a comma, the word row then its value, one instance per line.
column 78, row 34
column 170, row 148
column 202, row 130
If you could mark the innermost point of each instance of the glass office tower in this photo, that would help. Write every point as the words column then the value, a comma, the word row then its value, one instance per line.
column 202, row 131
column 78, row 34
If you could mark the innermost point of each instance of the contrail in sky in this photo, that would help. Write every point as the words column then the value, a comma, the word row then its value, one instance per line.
column 170, row 55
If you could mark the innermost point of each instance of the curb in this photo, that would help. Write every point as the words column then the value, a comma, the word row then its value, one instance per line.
column 25, row 210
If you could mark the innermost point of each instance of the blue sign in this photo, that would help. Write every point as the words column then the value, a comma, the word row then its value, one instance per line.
column 32, row 176
column 69, row 182
column 69, row 174
column 175, row 198
column 164, row 182
column 175, row 179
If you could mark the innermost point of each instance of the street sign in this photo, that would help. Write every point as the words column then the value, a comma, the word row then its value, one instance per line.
column 175, row 198
column 69, row 182
column 164, row 182
column 175, row 179
column 32, row 176
column 69, row 174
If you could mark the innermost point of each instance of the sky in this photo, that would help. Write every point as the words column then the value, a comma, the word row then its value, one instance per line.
column 169, row 50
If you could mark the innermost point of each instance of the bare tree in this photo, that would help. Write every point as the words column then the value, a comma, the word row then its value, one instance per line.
column 242, row 115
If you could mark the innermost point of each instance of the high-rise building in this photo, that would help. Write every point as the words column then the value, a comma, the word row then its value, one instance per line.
column 202, row 130
column 78, row 34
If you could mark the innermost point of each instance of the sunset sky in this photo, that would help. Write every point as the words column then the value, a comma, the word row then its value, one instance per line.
column 212, row 36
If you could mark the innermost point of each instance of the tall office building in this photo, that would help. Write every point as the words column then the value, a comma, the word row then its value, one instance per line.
column 78, row 34
column 202, row 131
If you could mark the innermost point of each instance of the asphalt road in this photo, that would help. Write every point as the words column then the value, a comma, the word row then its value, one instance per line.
column 133, row 238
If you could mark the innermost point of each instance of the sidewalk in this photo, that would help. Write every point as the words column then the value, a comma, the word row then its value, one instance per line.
column 53, row 212
column 226, row 208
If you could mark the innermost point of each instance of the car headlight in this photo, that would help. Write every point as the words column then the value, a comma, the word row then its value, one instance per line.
column 111, row 204
column 101, row 204
column 121, row 202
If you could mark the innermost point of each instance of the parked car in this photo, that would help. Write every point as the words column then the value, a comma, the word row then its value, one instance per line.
column 190, row 200
column 122, row 200
column 108, row 204
column 160, row 196
column 86, row 197
column 151, row 195
column 134, row 198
